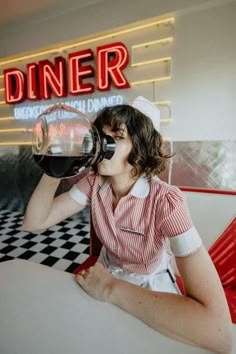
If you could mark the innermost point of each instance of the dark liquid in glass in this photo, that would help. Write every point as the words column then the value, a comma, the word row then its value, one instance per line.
column 62, row 166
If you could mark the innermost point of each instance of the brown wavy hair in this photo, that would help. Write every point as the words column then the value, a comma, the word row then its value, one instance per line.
column 146, row 155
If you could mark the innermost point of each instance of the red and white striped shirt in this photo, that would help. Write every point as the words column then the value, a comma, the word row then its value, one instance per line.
column 136, row 232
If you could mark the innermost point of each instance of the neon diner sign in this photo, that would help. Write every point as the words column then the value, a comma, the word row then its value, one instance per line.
column 62, row 78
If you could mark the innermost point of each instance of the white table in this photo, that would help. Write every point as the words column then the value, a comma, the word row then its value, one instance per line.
column 44, row 311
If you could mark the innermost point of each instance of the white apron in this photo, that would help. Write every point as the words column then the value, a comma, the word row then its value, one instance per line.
column 162, row 279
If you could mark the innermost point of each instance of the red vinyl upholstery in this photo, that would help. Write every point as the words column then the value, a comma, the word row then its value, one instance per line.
column 223, row 254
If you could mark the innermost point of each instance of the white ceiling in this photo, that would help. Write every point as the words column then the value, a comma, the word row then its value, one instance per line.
column 14, row 11
column 22, row 11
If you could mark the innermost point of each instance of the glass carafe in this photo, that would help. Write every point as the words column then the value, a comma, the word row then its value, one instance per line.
column 65, row 142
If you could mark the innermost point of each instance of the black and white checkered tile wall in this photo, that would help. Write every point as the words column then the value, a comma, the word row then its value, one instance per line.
column 63, row 246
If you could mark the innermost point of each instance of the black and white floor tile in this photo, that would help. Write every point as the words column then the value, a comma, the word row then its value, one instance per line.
column 63, row 246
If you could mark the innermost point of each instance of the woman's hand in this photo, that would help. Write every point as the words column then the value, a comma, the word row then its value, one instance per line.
column 96, row 281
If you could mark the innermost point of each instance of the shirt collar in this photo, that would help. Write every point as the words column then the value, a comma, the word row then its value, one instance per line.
column 140, row 189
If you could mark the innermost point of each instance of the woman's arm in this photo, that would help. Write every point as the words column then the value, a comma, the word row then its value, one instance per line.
column 200, row 318
column 43, row 210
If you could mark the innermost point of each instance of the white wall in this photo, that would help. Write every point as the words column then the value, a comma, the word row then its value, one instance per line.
column 203, row 86
column 211, row 214
column 204, row 75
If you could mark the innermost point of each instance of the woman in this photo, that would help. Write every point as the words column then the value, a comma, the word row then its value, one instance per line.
column 135, row 216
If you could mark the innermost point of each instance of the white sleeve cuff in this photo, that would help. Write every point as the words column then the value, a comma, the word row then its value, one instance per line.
column 186, row 243
column 78, row 196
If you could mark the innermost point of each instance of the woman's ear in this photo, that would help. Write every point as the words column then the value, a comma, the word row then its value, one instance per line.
column 133, row 173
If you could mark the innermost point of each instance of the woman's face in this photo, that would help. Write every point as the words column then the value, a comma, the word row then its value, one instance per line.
column 118, row 164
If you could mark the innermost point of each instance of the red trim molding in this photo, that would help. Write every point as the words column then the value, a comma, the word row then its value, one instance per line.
column 205, row 190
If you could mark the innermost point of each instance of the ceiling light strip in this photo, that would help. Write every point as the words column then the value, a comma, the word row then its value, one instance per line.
column 158, row 41
column 110, row 35
column 13, row 130
column 162, row 103
column 148, row 62
column 15, row 143
column 6, row 118
column 134, row 83
column 166, row 120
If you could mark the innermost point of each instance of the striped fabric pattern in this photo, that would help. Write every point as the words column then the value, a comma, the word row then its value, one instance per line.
column 136, row 231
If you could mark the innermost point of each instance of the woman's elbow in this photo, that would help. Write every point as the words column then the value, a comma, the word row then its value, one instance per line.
column 224, row 345
column 226, row 341
column 30, row 227
column 223, row 337
column 27, row 228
